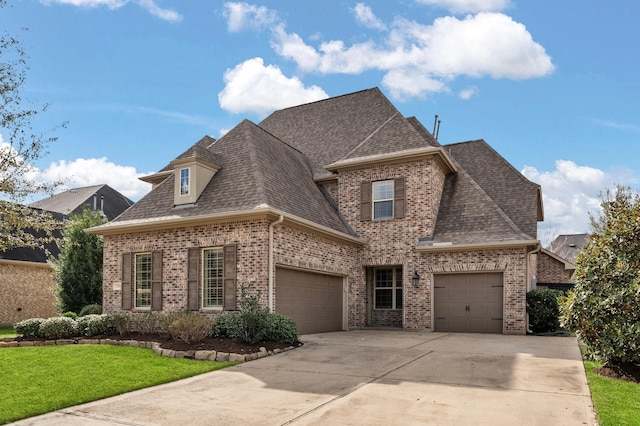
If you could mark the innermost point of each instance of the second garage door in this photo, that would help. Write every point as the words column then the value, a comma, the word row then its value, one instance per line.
column 314, row 301
column 470, row 303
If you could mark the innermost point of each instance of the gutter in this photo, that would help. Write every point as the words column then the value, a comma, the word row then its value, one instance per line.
column 529, row 253
column 447, row 246
column 271, row 263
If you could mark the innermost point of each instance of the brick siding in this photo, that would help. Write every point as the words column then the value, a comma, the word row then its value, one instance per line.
column 26, row 292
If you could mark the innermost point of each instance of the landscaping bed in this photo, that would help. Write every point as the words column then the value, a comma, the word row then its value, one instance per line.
column 627, row 371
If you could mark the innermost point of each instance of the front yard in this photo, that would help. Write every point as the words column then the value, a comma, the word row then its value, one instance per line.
column 41, row 379
column 616, row 401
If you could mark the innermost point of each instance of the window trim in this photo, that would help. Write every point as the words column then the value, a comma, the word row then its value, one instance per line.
column 185, row 189
column 375, row 201
column 204, row 278
column 135, row 281
column 394, row 288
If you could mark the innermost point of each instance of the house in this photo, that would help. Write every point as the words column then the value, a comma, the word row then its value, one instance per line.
column 556, row 263
column 340, row 213
column 96, row 197
column 27, row 287
column 568, row 246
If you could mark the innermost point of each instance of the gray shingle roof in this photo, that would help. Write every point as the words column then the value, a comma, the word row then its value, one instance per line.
column 514, row 194
column 423, row 131
column 568, row 246
column 357, row 124
column 72, row 200
column 257, row 170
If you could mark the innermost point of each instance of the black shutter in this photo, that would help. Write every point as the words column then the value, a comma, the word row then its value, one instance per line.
column 126, row 281
column 398, row 198
column 229, row 277
column 365, row 201
column 193, row 278
column 156, row 281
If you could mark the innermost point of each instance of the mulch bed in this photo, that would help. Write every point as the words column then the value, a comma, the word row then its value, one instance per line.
column 219, row 344
column 628, row 371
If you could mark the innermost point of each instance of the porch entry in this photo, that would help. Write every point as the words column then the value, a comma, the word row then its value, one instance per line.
column 384, row 296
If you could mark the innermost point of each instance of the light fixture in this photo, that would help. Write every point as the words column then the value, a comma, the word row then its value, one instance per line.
column 416, row 278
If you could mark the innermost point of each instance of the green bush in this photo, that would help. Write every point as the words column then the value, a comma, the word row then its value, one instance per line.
column 70, row 314
column 29, row 328
column 544, row 310
column 96, row 325
column 282, row 329
column 189, row 327
column 93, row 309
column 59, row 328
column 225, row 324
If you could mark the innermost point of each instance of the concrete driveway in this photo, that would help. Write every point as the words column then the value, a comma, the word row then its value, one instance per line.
column 370, row 377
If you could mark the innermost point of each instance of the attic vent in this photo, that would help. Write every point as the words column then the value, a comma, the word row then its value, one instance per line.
column 572, row 245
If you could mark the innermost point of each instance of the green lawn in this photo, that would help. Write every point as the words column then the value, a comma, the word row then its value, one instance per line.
column 7, row 332
column 40, row 379
column 617, row 402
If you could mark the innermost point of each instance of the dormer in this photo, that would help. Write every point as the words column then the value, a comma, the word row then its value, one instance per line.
column 192, row 174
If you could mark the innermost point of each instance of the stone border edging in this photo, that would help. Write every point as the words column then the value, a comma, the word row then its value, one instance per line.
column 170, row 353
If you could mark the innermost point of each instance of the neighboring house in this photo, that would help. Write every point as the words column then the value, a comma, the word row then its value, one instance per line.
column 27, row 287
column 556, row 263
column 343, row 214
column 97, row 197
column 568, row 246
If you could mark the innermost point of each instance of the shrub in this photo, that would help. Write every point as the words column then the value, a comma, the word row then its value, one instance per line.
column 59, row 328
column 93, row 309
column 225, row 324
column 123, row 323
column 282, row 329
column 189, row 327
column 29, row 328
column 544, row 310
column 147, row 323
column 96, row 325
column 70, row 314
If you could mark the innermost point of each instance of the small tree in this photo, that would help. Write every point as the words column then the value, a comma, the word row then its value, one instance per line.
column 20, row 147
column 78, row 268
column 604, row 307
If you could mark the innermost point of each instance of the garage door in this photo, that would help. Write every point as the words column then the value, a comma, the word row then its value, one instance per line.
column 469, row 303
column 314, row 301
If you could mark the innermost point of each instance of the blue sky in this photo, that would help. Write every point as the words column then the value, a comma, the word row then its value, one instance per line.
column 551, row 85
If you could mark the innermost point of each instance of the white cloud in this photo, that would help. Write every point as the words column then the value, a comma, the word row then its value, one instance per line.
column 253, row 87
column 365, row 17
column 94, row 171
column 150, row 5
column 242, row 16
column 421, row 84
column 569, row 193
column 468, row 93
column 468, row 6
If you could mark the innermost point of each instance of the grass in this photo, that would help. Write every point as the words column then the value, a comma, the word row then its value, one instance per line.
column 617, row 402
column 7, row 332
column 41, row 379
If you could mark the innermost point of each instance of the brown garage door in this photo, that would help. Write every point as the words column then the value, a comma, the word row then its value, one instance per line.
column 469, row 303
column 314, row 301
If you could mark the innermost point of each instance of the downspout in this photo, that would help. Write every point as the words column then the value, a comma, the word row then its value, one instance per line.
column 271, row 265
column 529, row 253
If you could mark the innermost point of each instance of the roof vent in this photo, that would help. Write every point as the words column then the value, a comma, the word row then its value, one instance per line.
column 572, row 245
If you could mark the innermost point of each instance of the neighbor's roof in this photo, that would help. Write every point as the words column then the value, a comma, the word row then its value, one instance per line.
column 568, row 246
column 72, row 200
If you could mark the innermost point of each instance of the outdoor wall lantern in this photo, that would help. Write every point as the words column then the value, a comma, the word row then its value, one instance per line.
column 415, row 279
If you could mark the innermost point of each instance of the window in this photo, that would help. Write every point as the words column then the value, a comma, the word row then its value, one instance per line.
column 212, row 278
column 143, row 280
column 184, row 181
column 388, row 288
column 383, row 199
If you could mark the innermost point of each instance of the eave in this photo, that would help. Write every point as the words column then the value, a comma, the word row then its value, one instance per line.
column 30, row 264
column 156, row 178
column 169, row 222
column 395, row 157
column 437, row 247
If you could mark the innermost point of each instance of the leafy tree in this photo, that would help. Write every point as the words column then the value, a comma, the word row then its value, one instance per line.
column 604, row 307
column 78, row 268
column 20, row 147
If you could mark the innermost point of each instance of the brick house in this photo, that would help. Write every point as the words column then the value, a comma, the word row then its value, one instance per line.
column 343, row 214
column 27, row 285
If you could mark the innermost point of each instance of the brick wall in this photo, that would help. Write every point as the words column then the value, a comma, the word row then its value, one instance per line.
column 26, row 292
column 551, row 270
column 251, row 238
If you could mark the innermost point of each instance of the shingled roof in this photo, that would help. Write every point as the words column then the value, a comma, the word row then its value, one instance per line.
column 257, row 171
column 568, row 246
column 355, row 125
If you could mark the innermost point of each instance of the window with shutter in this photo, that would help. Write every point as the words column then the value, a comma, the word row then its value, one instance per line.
column 383, row 199
column 212, row 277
column 142, row 280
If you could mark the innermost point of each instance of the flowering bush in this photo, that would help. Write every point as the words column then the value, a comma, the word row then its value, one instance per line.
column 96, row 325
column 59, row 328
column 29, row 328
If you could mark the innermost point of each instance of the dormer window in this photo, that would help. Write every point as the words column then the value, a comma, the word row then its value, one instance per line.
column 383, row 199
column 184, row 181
